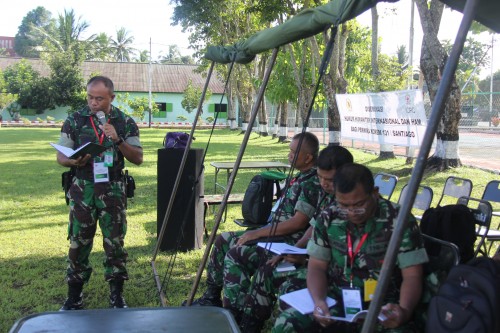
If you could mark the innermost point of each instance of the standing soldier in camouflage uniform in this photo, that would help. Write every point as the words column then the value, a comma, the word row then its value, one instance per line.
column 97, row 191
column 297, row 207
column 346, row 255
column 256, row 305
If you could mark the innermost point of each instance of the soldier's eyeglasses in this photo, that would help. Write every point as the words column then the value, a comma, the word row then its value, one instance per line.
column 354, row 211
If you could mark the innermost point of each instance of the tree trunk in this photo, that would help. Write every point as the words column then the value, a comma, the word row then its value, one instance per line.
column 231, row 112
column 296, row 128
column 334, row 82
column 432, row 61
column 263, row 130
column 276, row 126
column 245, row 102
column 283, row 131
column 304, row 86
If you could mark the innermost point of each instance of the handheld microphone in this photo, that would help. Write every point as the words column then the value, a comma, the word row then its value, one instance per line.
column 102, row 119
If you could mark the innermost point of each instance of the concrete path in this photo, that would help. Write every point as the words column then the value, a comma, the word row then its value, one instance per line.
column 480, row 149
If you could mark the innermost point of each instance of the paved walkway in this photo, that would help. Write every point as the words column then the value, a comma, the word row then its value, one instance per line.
column 476, row 149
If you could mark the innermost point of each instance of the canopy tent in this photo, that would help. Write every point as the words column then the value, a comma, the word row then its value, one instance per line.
column 312, row 21
column 486, row 12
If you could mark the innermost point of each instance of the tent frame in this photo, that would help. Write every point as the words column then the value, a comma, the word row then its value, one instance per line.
column 232, row 177
column 469, row 12
column 418, row 171
column 176, row 186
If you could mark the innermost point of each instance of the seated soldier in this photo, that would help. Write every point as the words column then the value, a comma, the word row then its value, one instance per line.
column 346, row 255
column 256, row 302
column 297, row 208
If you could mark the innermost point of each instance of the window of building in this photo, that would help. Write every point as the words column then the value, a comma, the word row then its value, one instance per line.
column 27, row 112
column 219, row 108
column 164, row 108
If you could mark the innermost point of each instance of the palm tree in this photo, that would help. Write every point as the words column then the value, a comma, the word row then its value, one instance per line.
column 143, row 56
column 70, row 29
column 67, row 36
column 173, row 56
column 121, row 46
column 101, row 48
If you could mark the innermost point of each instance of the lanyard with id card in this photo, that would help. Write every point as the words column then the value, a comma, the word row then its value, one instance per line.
column 101, row 172
column 352, row 301
column 352, row 296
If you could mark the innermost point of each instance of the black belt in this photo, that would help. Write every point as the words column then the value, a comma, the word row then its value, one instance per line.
column 87, row 174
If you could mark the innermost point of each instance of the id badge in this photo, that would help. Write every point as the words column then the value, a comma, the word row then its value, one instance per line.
column 370, row 285
column 352, row 302
column 108, row 159
column 101, row 173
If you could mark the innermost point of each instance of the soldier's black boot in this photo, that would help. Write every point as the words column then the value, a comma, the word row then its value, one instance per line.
column 75, row 297
column 211, row 297
column 116, row 299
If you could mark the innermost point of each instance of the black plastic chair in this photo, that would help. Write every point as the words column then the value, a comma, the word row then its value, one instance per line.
column 423, row 199
column 482, row 211
column 446, row 256
column 386, row 184
column 443, row 256
column 455, row 187
column 492, row 194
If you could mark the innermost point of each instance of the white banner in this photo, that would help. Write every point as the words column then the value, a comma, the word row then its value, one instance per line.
column 391, row 118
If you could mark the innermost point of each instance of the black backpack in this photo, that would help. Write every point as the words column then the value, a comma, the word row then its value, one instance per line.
column 258, row 199
column 469, row 299
column 452, row 223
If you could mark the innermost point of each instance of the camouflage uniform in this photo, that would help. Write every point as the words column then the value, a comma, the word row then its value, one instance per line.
column 260, row 299
column 291, row 201
column 104, row 201
column 329, row 243
column 242, row 262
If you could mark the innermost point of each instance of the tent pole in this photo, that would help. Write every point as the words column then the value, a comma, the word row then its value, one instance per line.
column 232, row 177
column 418, row 171
column 178, row 180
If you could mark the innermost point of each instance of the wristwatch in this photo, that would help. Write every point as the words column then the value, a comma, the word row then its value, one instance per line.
column 119, row 142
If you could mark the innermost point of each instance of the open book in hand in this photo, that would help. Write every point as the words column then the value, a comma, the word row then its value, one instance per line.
column 89, row 148
column 302, row 301
column 282, row 248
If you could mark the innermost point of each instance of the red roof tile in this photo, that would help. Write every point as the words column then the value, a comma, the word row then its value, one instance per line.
column 133, row 76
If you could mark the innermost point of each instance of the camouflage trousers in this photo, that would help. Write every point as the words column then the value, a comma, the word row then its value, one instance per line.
column 240, row 265
column 260, row 300
column 89, row 203
column 249, row 281
column 215, row 266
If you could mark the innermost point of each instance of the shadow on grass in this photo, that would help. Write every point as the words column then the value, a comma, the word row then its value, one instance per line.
column 38, row 283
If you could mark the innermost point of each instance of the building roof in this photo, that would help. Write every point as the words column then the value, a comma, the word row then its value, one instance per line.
column 133, row 76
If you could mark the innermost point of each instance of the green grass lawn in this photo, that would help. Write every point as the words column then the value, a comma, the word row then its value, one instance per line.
column 33, row 218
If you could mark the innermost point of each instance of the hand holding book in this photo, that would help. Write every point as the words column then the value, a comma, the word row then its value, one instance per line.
column 282, row 248
column 90, row 148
